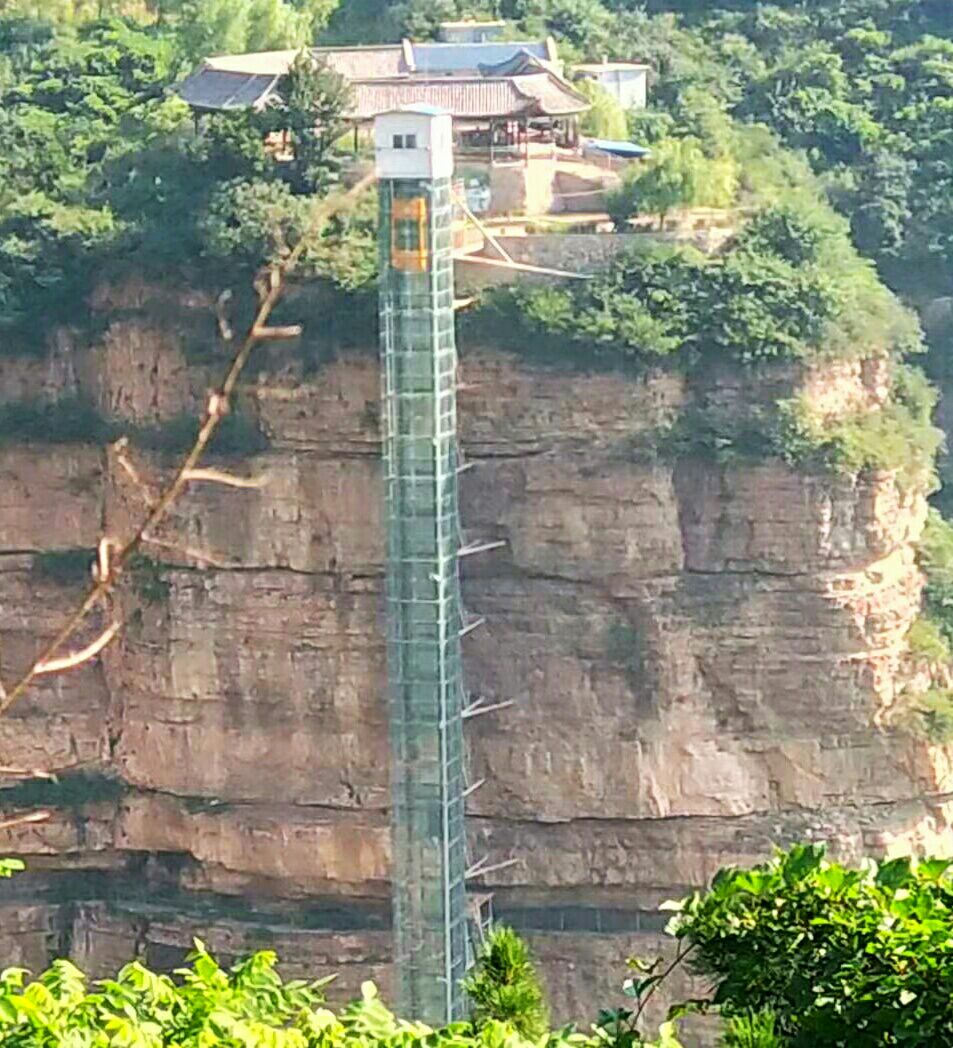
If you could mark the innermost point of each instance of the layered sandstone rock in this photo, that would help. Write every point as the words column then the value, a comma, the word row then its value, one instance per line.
column 698, row 655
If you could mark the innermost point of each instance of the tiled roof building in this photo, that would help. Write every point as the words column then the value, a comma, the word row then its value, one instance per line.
column 471, row 80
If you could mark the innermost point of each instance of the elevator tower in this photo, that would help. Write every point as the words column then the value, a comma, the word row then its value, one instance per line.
column 424, row 613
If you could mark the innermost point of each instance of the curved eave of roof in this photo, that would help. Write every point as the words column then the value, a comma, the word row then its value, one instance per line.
column 554, row 98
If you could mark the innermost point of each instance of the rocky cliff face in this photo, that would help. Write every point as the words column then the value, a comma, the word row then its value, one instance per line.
column 699, row 657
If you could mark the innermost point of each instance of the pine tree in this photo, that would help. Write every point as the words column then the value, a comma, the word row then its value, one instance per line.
column 505, row 986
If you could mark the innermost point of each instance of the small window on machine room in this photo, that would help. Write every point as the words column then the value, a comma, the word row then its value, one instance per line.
column 398, row 141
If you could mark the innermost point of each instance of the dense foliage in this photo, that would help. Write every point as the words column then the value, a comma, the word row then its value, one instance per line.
column 800, row 952
column 246, row 1006
column 786, row 287
column 864, row 87
column 678, row 175
column 101, row 167
column 935, row 555
column 837, row 956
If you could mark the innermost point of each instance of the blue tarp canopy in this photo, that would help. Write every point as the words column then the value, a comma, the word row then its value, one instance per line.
column 626, row 149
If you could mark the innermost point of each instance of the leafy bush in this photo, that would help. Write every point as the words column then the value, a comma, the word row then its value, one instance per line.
column 254, row 221
column 888, row 438
column 245, row 1006
column 935, row 556
column 900, row 436
column 783, row 232
column 929, row 715
column 756, row 1030
column 504, row 986
column 746, row 305
column 925, row 640
column 678, row 175
column 837, row 955
column 248, row 1004
column 605, row 117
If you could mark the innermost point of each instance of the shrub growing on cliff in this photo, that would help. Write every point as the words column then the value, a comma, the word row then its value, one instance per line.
column 898, row 436
column 935, row 556
column 925, row 640
column 786, row 288
column 839, row 956
column 929, row 715
column 757, row 1030
column 246, row 1005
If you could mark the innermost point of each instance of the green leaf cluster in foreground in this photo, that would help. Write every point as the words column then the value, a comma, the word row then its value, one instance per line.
column 798, row 952
column 837, row 956
column 247, row 1006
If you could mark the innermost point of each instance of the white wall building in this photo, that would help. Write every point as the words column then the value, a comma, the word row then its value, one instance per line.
column 470, row 31
column 626, row 82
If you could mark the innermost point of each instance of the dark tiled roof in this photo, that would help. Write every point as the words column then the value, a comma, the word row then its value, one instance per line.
column 239, row 81
column 217, row 89
column 515, row 79
column 541, row 94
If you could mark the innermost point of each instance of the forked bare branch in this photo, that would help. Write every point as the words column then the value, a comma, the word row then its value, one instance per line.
column 270, row 286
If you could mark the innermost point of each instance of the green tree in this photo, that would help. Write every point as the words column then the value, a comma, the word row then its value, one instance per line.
column 312, row 101
column 246, row 1006
column 504, row 986
column 254, row 222
column 581, row 22
column 678, row 175
column 880, row 205
column 209, row 27
column 605, row 117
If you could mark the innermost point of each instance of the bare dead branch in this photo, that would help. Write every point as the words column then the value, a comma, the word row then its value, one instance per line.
column 217, row 476
column 21, row 820
column 121, row 449
column 77, row 658
column 218, row 406
column 103, row 558
column 25, row 773
column 277, row 334
column 224, row 325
